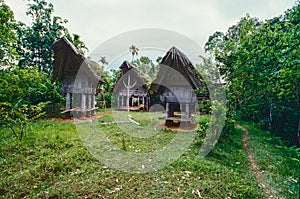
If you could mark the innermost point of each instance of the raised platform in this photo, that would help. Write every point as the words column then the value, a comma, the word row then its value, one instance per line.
column 179, row 121
column 132, row 108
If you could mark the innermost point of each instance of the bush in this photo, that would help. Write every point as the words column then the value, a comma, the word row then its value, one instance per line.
column 24, row 95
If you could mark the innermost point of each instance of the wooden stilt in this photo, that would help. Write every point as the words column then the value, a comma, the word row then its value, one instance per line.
column 68, row 104
column 89, row 104
column 93, row 104
column 187, row 111
column 68, row 101
column 83, row 104
column 167, row 110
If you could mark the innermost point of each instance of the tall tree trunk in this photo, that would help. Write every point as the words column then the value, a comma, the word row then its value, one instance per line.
column 298, row 132
column 298, row 100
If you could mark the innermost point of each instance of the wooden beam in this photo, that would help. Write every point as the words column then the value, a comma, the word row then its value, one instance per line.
column 69, row 110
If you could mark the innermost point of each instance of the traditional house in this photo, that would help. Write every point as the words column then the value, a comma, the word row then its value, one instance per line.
column 79, row 79
column 130, row 90
column 175, row 84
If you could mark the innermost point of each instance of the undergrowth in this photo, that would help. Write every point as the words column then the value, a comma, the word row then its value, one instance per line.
column 52, row 162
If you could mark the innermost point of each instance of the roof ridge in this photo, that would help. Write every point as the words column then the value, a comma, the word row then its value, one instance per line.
column 178, row 61
column 84, row 60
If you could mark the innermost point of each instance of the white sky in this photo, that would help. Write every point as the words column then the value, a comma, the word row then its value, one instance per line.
column 98, row 20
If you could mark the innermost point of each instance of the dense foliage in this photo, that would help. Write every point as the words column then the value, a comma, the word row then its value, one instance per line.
column 36, row 40
column 146, row 66
column 24, row 94
column 26, row 57
column 260, row 62
column 7, row 35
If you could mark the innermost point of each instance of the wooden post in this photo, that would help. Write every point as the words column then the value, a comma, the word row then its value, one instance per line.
column 146, row 104
column 93, row 104
column 83, row 104
column 68, row 104
column 138, row 101
column 68, row 101
column 89, row 104
column 167, row 110
column 187, row 111
column 118, row 100
column 91, row 101
column 122, row 100
column 127, row 101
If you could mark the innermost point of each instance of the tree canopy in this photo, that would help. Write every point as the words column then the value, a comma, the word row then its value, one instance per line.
column 26, row 63
column 8, row 37
column 37, row 39
column 260, row 62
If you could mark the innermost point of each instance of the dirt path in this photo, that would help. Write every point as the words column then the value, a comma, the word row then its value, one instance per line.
column 268, row 189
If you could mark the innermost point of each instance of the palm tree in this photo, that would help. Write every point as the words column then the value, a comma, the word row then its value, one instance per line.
column 134, row 51
column 103, row 61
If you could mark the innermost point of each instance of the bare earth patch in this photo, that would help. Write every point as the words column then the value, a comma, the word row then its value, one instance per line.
column 72, row 120
column 175, row 128
column 267, row 188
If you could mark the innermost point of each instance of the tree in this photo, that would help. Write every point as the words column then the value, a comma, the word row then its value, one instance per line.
column 95, row 66
column 24, row 94
column 260, row 62
column 8, row 38
column 146, row 66
column 106, row 89
column 158, row 59
column 103, row 61
column 134, row 51
column 36, row 40
column 18, row 116
column 76, row 41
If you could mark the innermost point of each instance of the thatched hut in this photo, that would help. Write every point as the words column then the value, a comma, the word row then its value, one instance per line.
column 175, row 84
column 131, row 92
column 79, row 79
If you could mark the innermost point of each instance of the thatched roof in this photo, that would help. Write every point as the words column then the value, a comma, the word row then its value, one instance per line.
column 135, row 76
column 175, row 59
column 68, row 60
column 125, row 67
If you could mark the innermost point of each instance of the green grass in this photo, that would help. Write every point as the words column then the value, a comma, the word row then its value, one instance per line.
column 52, row 162
column 280, row 164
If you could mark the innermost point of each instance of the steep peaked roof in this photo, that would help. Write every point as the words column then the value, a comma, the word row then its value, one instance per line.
column 175, row 56
column 135, row 76
column 126, row 66
column 175, row 59
column 68, row 60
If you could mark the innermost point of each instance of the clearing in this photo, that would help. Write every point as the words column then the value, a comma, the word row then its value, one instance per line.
column 52, row 162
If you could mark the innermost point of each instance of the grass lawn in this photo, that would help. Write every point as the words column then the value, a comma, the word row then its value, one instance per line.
column 280, row 164
column 53, row 162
